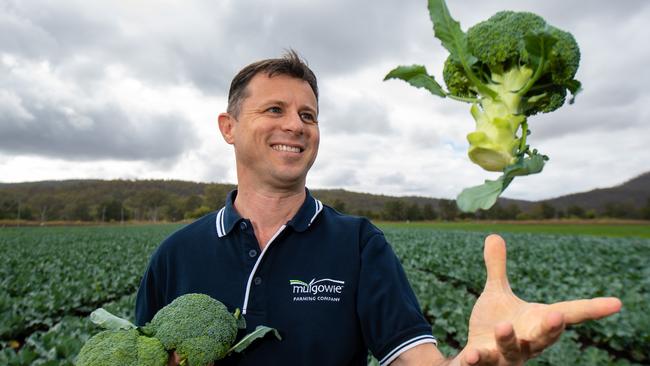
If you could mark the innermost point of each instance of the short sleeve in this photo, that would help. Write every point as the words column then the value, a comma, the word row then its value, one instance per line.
column 390, row 316
column 148, row 300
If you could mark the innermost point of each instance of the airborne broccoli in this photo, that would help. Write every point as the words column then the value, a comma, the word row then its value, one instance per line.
column 509, row 67
column 195, row 326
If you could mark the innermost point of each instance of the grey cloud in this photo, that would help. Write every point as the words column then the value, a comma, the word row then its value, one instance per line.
column 564, row 14
column 340, row 178
column 61, row 33
column 425, row 138
column 395, row 178
column 353, row 115
column 337, row 36
column 96, row 133
column 563, row 122
column 53, row 32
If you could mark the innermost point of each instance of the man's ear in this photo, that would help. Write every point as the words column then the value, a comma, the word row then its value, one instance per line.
column 227, row 127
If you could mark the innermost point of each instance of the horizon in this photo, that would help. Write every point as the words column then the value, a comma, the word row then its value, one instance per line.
column 314, row 188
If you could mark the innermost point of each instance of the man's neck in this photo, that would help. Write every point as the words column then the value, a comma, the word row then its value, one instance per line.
column 268, row 210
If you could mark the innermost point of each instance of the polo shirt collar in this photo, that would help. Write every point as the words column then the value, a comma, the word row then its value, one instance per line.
column 227, row 216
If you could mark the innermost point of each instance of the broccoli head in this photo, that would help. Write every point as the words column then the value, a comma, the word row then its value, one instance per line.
column 199, row 328
column 122, row 347
column 509, row 67
column 522, row 66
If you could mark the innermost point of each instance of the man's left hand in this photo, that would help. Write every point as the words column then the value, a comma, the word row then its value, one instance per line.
column 505, row 330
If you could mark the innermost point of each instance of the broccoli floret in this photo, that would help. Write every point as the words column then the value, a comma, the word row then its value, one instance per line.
column 122, row 347
column 199, row 328
column 509, row 67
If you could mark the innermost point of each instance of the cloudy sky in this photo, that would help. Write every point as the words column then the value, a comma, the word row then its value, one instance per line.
column 132, row 89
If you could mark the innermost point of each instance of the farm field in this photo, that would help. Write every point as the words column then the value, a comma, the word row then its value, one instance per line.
column 606, row 228
column 51, row 278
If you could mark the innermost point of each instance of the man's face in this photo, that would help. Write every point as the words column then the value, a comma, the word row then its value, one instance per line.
column 276, row 134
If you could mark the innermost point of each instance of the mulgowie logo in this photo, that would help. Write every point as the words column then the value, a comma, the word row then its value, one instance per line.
column 326, row 289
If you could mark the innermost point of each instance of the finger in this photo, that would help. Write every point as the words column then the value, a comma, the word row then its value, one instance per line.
column 507, row 343
column 550, row 330
column 494, row 254
column 174, row 360
column 481, row 357
column 578, row 311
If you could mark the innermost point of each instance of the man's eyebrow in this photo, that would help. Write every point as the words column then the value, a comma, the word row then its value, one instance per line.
column 284, row 104
column 274, row 101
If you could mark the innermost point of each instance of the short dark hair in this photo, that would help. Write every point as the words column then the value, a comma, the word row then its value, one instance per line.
column 290, row 64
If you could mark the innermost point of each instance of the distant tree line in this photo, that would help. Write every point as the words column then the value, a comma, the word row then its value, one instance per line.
column 144, row 204
column 446, row 210
column 153, row 201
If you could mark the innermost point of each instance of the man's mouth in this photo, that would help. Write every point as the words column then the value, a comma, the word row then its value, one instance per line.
column 287, row 148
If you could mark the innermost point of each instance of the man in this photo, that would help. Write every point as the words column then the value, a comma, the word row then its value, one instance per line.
column 328, row 282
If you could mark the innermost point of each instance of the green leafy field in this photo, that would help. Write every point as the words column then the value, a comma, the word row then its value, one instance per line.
column 51, row 278
column 611, row 229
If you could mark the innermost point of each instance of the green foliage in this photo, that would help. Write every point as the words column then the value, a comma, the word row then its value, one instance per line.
column 47, row 273
column 60, row 344
column 446, row 271
column 444, row 266
column 509, row 67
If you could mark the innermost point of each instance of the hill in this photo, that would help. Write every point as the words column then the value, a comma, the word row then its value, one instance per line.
column 172, row 200
column 633, row 193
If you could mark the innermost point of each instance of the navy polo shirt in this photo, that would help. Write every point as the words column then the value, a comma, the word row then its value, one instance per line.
column 329, row 283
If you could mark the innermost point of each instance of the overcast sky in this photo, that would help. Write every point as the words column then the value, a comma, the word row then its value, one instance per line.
column 132, row 90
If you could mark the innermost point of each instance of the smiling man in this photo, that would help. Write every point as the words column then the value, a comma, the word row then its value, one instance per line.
column 329, row 283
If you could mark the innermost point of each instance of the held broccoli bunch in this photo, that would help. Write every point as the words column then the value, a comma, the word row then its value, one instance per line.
column 195, row 326
column 198, row 327
column 122, row 347
column 509, row 67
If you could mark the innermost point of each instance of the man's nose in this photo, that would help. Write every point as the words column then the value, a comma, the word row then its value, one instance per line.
column 293, row 123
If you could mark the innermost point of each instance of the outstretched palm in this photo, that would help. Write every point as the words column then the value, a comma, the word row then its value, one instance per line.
column 505, row 330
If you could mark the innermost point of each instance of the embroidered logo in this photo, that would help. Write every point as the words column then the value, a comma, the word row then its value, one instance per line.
column 325, row 289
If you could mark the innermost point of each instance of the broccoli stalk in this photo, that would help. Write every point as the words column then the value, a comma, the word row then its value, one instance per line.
column 509, row 67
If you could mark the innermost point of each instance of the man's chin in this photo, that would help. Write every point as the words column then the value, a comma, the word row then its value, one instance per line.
column 289, row 181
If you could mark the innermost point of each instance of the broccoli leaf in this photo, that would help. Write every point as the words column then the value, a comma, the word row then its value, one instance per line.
column 107, row 320
column 448, row 31
column 417, row 76
column 526, row 166
column 259, row 332
column 485, row 195
column 538, row 46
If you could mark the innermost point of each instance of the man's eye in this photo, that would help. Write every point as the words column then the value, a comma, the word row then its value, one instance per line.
column 307, row 117
column 274, row 110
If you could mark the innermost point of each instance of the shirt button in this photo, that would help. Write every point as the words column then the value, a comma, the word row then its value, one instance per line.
column 252, row 253
column 243, row 225
column 257, row 280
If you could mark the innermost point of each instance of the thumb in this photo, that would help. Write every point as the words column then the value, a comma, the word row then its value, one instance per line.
column 494, row 254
